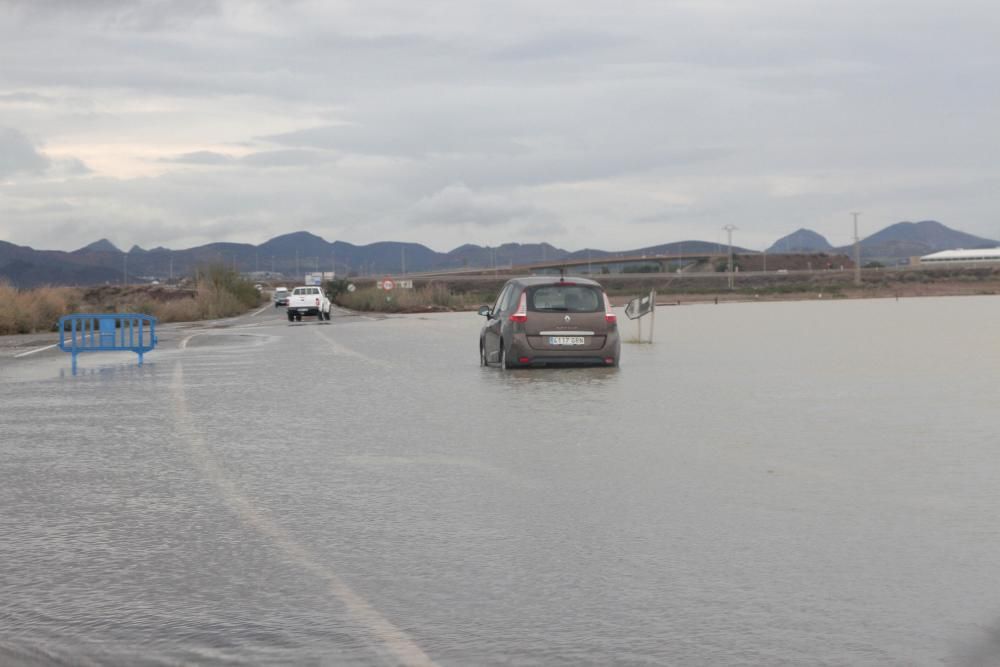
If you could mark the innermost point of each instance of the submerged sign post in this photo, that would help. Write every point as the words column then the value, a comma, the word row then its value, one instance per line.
column 638, row 308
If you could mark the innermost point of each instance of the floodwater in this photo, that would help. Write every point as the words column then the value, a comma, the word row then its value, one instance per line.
column 769, row 484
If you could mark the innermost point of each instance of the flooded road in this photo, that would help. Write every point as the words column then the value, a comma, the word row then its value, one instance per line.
column 769, row 484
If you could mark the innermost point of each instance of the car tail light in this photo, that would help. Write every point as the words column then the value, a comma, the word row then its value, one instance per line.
column 317, row 302
column 524, row 360
column 609, row 360
column 521, row 314
column 609, row 316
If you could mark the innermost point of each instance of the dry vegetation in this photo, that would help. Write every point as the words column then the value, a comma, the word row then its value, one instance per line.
column 217, row 293
column 434, row 297
column 35, row 310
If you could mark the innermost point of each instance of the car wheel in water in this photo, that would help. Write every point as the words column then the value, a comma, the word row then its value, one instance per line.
column 291, row 318
column 482, row 355
column 504, row 361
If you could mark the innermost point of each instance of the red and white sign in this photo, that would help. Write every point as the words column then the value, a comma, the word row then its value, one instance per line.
column 387, row 283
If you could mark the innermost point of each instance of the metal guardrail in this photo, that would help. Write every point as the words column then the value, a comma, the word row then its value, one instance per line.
column 115, row 332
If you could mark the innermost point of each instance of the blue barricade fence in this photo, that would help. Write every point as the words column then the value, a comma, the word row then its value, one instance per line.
column 114, row 332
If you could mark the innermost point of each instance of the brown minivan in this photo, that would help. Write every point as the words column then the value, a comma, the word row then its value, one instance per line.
column 543, row 321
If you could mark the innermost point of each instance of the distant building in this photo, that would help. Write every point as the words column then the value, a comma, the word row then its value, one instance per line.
column 971, row 257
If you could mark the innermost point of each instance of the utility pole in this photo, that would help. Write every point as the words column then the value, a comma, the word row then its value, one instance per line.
column 765, row 260
column 171, row 266
column 857, row 250
column 125, row 269
column 402, row 256
column 729, row 230
column 297, row 271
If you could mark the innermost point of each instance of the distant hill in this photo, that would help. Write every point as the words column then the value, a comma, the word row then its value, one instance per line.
column 801, row 241
column 23, row 266
column 676, row 247
column 103, row 245
column 908, row 239
column 300, row 252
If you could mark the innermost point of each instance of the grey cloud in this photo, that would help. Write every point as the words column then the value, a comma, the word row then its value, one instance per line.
column 18, row 154
column 286, row 158
column 200, row 157
column 71, row 167
column 542, row 229
column 279, row 158
column 25, row 98
column 388, row 137
column 559, row 45
column 140, row 15
column 458, row 205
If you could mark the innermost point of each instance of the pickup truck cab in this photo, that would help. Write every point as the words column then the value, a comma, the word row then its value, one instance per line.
column 306, row 302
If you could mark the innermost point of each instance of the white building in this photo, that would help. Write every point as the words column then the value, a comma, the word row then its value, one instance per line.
column 980, row 256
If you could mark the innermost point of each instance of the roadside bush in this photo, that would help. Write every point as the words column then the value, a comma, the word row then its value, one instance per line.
column 28, row 311
column 334, row 288
column 431, row 297
column 179, row 310
column 219, row 292
column 220, row 280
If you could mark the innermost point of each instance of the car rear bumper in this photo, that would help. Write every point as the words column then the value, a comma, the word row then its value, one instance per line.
column 521, row 353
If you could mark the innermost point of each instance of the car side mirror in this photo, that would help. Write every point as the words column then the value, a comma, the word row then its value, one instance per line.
column 484, row 311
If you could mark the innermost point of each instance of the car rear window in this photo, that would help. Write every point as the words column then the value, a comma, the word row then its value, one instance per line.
column 564, row 299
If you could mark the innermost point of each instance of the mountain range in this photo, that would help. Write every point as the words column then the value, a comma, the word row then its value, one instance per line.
column 896, row 242
column 300, row 252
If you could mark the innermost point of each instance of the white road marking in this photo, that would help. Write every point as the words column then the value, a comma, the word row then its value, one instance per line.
column 184, row 343
column 260, row 311
column 39, row 349
column 400, row 644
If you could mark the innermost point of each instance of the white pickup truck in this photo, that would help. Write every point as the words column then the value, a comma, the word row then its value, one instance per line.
column 307, row 301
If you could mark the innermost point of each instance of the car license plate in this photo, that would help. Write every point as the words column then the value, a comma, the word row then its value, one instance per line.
column 565, row 340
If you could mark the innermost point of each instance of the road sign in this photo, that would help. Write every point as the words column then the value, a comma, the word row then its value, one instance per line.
column 388, row 284
column 638, row 307
column 351, row 287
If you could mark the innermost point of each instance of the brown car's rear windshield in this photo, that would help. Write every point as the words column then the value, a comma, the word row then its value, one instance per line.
column 565, row 299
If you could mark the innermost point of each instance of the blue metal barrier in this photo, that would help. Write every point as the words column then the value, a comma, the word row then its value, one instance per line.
column 115, row 332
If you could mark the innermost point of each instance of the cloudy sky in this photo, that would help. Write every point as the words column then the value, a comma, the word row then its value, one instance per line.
column 611, row 124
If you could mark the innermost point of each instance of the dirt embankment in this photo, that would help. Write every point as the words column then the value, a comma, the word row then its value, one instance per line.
column 467, row 293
